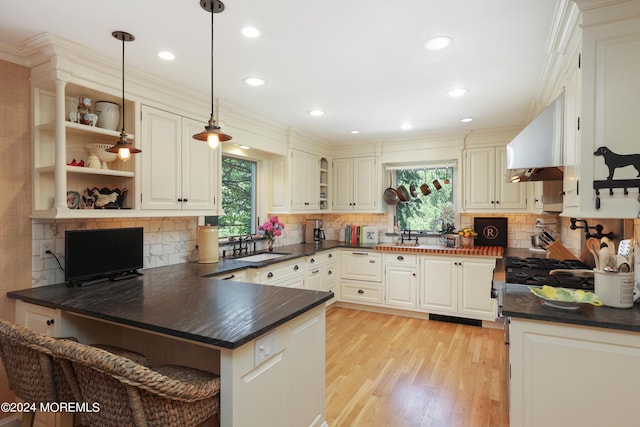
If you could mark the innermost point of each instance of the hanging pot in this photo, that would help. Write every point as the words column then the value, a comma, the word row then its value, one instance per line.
column 390, row 195
column 436, row 183
column 403, row 193
column 446, row 179
column 412, row 190
column 425, row 189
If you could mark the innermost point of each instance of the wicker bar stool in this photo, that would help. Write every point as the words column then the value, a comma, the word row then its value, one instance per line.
column 33, row 377
column 27, row 360
column 129, row 394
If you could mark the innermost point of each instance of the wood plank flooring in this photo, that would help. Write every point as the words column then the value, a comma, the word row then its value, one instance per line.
column 385, row 370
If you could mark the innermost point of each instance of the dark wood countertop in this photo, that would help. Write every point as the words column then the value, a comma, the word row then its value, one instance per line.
column 519, row 302
column 176, row 300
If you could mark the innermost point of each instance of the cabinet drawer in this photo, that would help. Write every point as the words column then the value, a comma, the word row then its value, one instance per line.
column 278, row 271
column 361, row 265
column 321, row 258
column 405, row 259
column 359, row 292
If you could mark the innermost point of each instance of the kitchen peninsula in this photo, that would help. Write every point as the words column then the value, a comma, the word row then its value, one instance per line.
column 267, row 343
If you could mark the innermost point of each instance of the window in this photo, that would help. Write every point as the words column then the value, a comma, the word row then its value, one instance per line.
column 238, row 197
column 424, row 212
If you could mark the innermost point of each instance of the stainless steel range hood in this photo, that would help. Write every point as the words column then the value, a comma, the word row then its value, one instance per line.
column 535, row 154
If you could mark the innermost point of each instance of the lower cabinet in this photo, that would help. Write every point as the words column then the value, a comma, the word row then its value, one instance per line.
column 361, row 277
column 289, row 274
column 457, row 286
column 41, row 319
column 401, row 280
column 570, row 375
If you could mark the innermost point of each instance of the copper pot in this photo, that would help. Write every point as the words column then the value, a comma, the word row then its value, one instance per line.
column 425, row 189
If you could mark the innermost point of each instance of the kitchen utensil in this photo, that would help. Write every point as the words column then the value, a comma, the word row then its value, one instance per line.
column 390, row 195
column 403, row 193
column 436, row 183
column 425, row 189
column 593, row 246
column 581, row 273
column 603, row 257
column 446, row 179
column 548, row 236
column 624, row 247
column 624, row 267
column 610, row 245
column 412, row 190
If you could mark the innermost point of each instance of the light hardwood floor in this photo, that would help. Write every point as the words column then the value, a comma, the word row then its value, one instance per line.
column 385, row 370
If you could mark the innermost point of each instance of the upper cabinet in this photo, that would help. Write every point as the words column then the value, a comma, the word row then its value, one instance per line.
column 355, row 184
column 178, row 172
column 299, row 183
column 604, row 179
column 485, row 182
column 63, row 172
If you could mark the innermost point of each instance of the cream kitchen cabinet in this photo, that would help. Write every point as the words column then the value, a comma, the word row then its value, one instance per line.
column 361, row 277
column 322, row 273
column 485, row 182
column 57, row 142
column 305, row 177
column 557, row 370
column 178, row 172
column 457, row 286
column 286, row 273
column 401, row 280
column 355, row 184
column 607, row 93
column 41, row 319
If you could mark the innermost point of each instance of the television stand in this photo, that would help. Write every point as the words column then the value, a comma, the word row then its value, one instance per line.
column 90, row 282
column 126, row 275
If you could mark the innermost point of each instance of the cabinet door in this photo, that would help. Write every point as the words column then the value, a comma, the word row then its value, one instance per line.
column 314, row 278
column 365, row 190
column 199, row 169
column 343, row 184
column 438, row 287
column 162, row 159
column 41, row 319
column 509, row 195
column 479, row 178
column 304, row 181
column 401, row 286
column 475, row 279
column 571, row 138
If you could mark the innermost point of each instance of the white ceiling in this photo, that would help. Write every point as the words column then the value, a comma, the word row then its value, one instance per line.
column 361, row 61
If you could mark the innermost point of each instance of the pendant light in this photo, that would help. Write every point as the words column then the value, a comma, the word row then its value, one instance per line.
column 123, row 147
column 211, row 133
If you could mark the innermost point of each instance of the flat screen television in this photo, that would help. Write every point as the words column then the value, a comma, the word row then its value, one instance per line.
column 96, row 255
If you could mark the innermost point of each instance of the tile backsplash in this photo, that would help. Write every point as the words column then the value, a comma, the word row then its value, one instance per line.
column 167, row 241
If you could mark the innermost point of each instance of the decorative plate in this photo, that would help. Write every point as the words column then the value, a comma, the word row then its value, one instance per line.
column 569, row 299
column 73, row 200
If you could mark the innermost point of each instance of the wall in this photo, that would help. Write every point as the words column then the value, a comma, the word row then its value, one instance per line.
column 15, row 190
column 167, row 241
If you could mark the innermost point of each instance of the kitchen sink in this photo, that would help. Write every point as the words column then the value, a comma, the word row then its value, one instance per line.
column 263, row 257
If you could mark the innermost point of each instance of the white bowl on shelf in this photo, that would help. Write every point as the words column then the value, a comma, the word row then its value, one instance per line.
column 99, row 150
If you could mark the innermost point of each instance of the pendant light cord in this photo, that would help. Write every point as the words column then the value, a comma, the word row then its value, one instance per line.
column 212, row 13
column 123, row 116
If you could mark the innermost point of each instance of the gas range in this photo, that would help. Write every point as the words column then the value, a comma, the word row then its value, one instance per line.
column 535, row 272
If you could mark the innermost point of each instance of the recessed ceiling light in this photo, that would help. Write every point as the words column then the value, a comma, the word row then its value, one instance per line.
column 244, row 147
column 437, row 43
column 354, row 132
column 166, row 55
column 250, row 32
column 255, row 81
column 466, row 120
column 406, row 126
column 457, row 92
column 316, row 113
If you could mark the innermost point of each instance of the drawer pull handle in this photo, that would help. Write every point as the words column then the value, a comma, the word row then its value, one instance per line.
column 372, row 261
column 359, row 253
column 50, row 322
column 315, row 271
column 229, row 277
column 329, row 272
column 330, row 255
column 295, row 267
column 312, row 260
column 400, row 258
column 360, row 291
column 270, row 275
